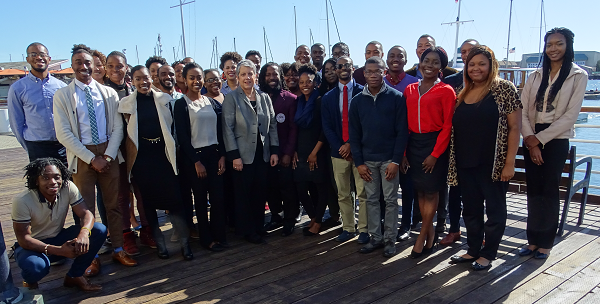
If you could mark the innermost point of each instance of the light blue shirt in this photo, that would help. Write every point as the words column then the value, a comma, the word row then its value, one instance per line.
column 30, row 108
column 350, row 85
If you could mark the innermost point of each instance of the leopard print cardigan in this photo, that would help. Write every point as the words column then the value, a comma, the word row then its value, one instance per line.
column 508, row 101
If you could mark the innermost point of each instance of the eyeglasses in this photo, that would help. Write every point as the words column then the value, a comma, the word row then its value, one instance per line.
column 211, row 80
column 34, row 55
column 367, row 72
column 340, row 66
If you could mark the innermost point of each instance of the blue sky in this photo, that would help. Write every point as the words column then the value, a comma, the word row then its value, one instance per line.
column 115, row 25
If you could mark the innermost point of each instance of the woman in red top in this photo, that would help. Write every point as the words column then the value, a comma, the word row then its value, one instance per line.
column 430, row 104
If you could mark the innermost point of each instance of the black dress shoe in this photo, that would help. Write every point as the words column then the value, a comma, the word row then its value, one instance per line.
column 427, row 250
column 457, row 259
column 186, row 251
column 477, row 267
column 272, row 226
column 216, row 248
column 330, row 223
column 440, row 227
column 224, row 244
column 287, row 231
column 372, row 246
column 163, row 255
column 307, row 232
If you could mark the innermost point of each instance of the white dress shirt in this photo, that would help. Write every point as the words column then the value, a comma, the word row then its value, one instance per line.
column 341, row 87
column 203, row 122
column 83, row 116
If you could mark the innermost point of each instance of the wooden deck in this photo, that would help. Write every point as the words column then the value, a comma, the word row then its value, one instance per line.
column 300, row 269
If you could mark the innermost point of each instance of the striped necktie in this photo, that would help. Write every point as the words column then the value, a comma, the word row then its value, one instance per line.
column 92, row 115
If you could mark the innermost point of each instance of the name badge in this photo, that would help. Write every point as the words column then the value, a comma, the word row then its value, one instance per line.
column 280, row 117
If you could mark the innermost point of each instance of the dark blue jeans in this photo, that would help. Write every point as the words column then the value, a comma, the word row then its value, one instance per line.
column 454, row 208
column 36, row 265
column 408, row 195
column 42, row 149
column 6, row 282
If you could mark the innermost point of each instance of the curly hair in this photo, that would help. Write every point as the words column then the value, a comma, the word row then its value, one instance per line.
column 262, row 82
column 36, row 168
column 234, row 56
column 308, row 68
column 81, row 48
column 154, row 59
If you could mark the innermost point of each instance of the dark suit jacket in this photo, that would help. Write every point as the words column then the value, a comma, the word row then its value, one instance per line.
column 332, row 118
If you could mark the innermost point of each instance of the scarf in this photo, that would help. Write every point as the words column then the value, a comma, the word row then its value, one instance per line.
column 119, row 87
column 304, row 112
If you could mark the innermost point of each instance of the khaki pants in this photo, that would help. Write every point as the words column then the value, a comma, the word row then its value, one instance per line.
column 86, row 178
column 342, row 172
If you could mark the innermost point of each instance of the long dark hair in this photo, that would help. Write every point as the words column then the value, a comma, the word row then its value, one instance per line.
column 325, row 86
column 565, row 69
column 262, row 82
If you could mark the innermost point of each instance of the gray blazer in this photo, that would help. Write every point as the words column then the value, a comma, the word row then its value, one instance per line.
column 241, row 124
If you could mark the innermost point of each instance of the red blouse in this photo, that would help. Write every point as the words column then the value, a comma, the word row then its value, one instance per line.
column 431, row 112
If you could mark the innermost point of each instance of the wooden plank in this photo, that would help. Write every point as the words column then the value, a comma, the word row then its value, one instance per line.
column 577, row 286
column 504, row 285
column 593, row 297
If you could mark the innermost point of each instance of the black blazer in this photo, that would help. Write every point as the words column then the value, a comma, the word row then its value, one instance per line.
column 184, row 129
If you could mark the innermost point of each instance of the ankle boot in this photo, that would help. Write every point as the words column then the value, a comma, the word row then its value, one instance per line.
column 159, row 240
column 184, row 236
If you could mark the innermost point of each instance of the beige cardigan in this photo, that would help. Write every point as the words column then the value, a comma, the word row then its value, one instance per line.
column 66, row 124
column 128, row 107
column 567, row 107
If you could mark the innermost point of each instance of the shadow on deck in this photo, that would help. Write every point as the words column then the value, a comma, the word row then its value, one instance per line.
column 299, row 269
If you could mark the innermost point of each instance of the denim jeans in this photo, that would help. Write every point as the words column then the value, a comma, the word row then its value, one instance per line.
column 390, row 192
column 36, row 265
column 6, row 282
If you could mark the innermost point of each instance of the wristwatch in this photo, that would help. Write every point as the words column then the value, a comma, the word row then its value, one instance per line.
column 108, row 158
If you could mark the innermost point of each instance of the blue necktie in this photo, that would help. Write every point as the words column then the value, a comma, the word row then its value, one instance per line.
column 92, row 114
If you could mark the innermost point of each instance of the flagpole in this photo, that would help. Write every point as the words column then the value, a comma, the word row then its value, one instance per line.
column 508, row 43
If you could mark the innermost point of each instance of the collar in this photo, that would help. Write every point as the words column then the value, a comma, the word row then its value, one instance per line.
column 367, row 92
column 35, row 79
column 44, row 200
column 350, row 85
column 391, row 80
column 82, row 85
column 436, row 82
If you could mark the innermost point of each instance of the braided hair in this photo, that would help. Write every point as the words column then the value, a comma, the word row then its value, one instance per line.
column 565, row 69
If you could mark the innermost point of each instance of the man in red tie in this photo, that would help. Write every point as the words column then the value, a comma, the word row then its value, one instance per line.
column 335, row 107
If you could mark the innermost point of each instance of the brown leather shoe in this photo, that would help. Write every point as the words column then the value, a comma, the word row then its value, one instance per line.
column 81, row 283
column 123, row 258
column 31, row 285
column 450, row 238
column 94, row 268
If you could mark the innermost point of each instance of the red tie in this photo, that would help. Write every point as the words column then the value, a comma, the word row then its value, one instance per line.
column 345, row 135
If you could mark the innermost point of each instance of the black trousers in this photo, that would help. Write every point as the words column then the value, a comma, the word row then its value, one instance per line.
column 314, row 198
column 543, row 203
column 332, row 200
column 250, row 197
column 477, row 186
column 282, row 195
column 408, row 195
column 185, row 185
column 229, row 194
column 212, row 185
column 454, row 208
column 42, row 149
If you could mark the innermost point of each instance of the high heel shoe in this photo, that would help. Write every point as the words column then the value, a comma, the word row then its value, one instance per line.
column 416, row 255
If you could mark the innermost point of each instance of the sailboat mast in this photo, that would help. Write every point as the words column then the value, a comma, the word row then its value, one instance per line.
column 234, row 48
column 295, row 27
column 508, row 43
column 327, row 13
column 265, row 42
column 456, row 39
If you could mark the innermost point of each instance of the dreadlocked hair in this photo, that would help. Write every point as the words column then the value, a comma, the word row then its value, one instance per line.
column 37, row 167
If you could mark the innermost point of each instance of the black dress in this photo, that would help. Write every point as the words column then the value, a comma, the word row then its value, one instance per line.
column 306, row 140
column 152, row 171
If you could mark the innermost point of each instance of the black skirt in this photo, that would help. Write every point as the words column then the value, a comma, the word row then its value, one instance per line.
column 154, row 175
column 420, row 145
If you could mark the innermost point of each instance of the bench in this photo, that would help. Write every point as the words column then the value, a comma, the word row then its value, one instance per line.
column 568, row 185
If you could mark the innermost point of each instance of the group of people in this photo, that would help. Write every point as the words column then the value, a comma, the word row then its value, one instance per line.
column 313, row 134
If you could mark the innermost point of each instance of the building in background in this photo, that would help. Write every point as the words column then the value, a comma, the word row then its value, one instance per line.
column 587, row 60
